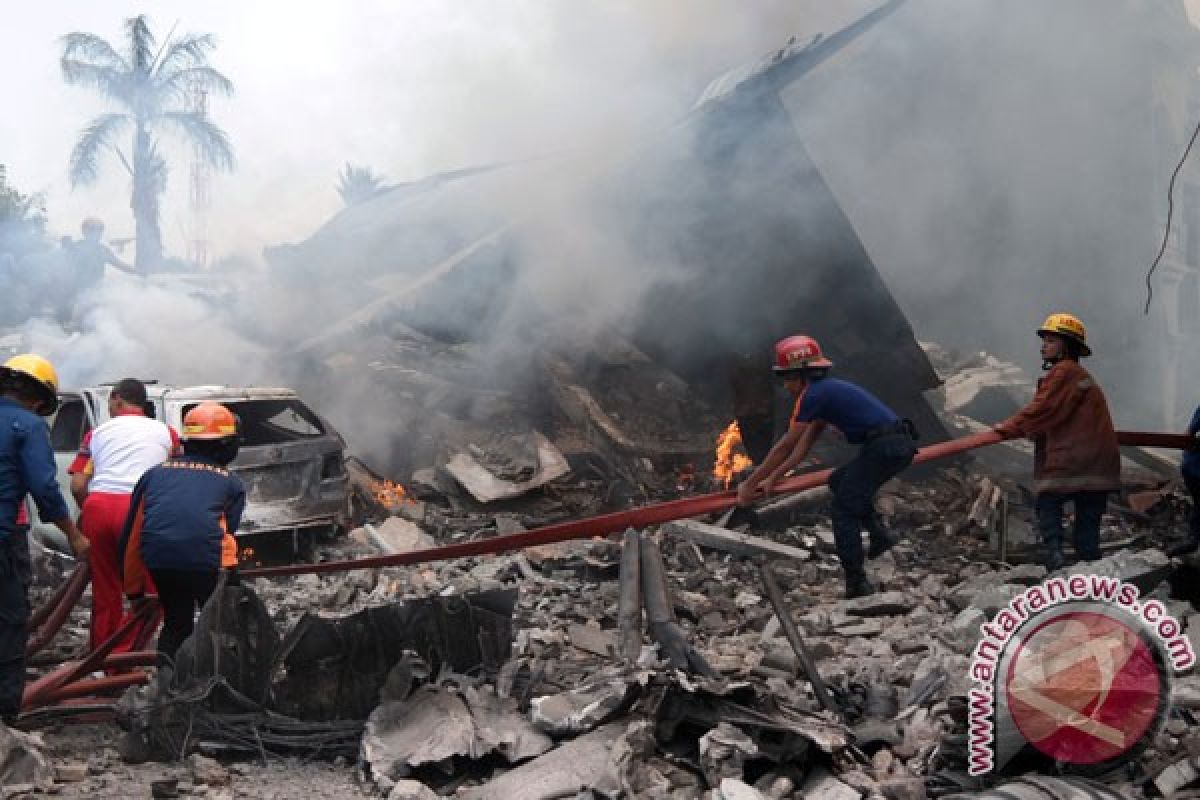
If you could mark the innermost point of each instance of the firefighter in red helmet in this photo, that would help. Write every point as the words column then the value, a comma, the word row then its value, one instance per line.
column 887, row 447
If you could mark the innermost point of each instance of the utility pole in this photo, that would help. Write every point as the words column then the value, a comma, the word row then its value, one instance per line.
column 200, row 191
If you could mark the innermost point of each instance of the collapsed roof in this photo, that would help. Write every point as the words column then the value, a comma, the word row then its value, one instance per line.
column 702, row 247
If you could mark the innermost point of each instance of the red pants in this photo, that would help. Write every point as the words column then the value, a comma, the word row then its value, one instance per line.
column 102, row 522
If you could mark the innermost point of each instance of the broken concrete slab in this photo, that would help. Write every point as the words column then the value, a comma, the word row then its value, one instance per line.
column 582, row 763
column 822, row 785
column 593, row 639
column 866, row 627
column 1179, row 775
column 964, row 631
column 1145, row 569
column 727, row 541
column 991, row 600
column 411, row 790
column 581, row 709
column 486, row 487
column 885, row 604
column 398, row 535
column 22, row 760
column 733, row 789
column 208, row 771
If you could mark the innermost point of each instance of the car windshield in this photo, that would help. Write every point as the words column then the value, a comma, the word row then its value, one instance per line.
column 273, row 421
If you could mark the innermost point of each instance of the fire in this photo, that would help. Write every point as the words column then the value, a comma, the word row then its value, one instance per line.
column 390, row 494
column 727, row 462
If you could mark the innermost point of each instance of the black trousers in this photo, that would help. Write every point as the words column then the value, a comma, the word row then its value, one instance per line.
column 182, row 593
column 1193, row 486
column 1089, row 508
column 854, row 485
column 15, row 577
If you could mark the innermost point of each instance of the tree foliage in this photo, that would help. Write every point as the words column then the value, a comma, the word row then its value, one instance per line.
column 149, row 83
column 356, row 184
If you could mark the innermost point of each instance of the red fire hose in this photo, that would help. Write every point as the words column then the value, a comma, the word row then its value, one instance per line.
column 656, row 514
column 65, row 683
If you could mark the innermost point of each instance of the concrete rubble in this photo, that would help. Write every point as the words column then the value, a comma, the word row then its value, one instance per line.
column 660, row 667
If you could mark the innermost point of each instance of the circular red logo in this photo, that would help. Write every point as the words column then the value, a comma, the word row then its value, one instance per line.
column 1083, row 687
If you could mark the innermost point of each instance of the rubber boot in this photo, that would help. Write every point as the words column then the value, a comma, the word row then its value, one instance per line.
column 857, row 585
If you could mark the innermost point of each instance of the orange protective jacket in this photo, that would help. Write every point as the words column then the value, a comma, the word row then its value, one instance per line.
column 1075, row 445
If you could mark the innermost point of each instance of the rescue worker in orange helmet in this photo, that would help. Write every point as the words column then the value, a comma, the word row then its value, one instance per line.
column 28, row 391
column 1076, row 456
column 887, row 448
column 181, row 521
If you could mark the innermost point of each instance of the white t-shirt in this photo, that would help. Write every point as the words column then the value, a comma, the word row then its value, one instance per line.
column 118, row 451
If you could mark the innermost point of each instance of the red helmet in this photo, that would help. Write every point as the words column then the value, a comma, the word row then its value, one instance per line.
column 209, row 421
column 799, row 352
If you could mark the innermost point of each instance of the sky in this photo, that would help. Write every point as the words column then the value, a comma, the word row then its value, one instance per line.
column 947, row 172
column 407, row 87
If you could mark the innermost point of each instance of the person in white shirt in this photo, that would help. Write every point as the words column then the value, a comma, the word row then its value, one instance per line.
column 111, row 459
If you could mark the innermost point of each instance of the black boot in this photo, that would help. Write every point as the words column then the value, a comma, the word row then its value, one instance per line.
column 857, row 585
column 881, row 542
column 881, row 539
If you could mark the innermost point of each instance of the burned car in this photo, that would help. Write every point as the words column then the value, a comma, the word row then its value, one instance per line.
column 291, row 459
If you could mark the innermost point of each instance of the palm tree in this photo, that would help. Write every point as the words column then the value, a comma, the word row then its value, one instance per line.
column 358, row 184
column 151, row 84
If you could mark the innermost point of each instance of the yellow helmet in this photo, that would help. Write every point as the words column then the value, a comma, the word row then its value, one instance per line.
column 41, row 374
column 1067, row 325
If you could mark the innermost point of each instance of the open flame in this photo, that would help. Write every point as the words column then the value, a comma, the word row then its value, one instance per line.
column 390, row 495
column 247, row 556
column 730, row 458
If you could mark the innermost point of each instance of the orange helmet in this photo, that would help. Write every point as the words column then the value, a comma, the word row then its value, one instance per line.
column 209, row 421
column 796, row 353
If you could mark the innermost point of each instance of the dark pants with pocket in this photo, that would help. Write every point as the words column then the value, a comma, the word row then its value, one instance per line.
column 182, row 593
column 15, row 577
column 854, row 485
column 1089, row 508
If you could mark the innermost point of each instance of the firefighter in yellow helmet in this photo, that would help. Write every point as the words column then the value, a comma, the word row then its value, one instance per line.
column 1076, row 457
column 28, row 392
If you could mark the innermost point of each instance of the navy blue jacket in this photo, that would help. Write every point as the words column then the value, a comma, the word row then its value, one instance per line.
column 26, row 466
column 180, row 511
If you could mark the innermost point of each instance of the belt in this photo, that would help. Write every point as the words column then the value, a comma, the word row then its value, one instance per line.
column 900, row 426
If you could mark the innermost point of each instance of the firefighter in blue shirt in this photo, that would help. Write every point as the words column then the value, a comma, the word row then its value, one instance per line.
column 28, row 391
column 887, row 448
column 182, row 516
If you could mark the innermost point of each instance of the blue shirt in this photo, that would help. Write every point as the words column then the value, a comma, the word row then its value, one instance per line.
column 26, row 466
column 186, row 504
column 1191, row 458
column 848, row 407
